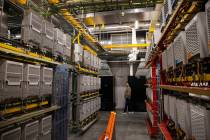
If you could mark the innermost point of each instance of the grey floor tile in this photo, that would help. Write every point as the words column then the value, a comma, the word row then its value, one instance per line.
column 128, row 127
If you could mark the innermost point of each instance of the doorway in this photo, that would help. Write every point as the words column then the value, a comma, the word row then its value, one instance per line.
column 138, row 93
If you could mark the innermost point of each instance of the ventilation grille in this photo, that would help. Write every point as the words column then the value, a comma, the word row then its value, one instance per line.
column 166, row 8
column 33, row 74
column 48, row 75
column 179, row 50
column 161, row 17
column 46, row 124
column 174, row 3
column 164, row 60
column 31, row 131
column 59, row 35
column 121, row 38
column 182, row 110
column 166, row 104
column 208, row 20
column 198, row 122
column 36, row 23
column 172, row 108
column 14, row 73
column 49, row 30
column 192, row 38
column 170, row 56
column 14, row 134
column 67, row 40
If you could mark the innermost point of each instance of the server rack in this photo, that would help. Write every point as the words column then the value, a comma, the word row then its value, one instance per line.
column 182, row 112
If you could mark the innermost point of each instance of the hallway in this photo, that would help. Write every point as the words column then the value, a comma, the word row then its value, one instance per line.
column 128, row 127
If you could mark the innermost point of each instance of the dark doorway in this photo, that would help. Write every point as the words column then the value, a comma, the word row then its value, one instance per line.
column 107, row 93
column 138, row 93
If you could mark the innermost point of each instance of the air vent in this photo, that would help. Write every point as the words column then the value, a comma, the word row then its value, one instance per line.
column 179, row 49
column 196, row 36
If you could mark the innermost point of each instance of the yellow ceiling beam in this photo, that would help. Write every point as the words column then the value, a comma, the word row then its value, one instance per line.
column 126, row 46
column 75, row 22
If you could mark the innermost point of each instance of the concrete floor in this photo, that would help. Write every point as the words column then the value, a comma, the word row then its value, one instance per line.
column 128, row 127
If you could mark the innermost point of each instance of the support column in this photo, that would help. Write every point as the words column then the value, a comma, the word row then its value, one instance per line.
column 131, row 69
column 134, row 36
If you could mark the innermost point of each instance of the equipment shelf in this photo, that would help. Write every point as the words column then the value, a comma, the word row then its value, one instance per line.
column 184, row 89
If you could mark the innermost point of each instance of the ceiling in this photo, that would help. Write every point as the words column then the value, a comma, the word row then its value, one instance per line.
column 118, row 17
column 107, row 17
column 94, row 6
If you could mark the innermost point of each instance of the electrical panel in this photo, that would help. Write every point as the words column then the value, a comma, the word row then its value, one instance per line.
column 180, row 49
column 196, row 36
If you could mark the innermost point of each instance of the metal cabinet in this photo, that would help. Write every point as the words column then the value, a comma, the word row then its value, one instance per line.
column 45, row 128
column 47, row 36
column 13, row 134
column 58, row 42
column 31, row 131
column 31, row 83
column 46, row 81
column 11, row 77
column 31, row 28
